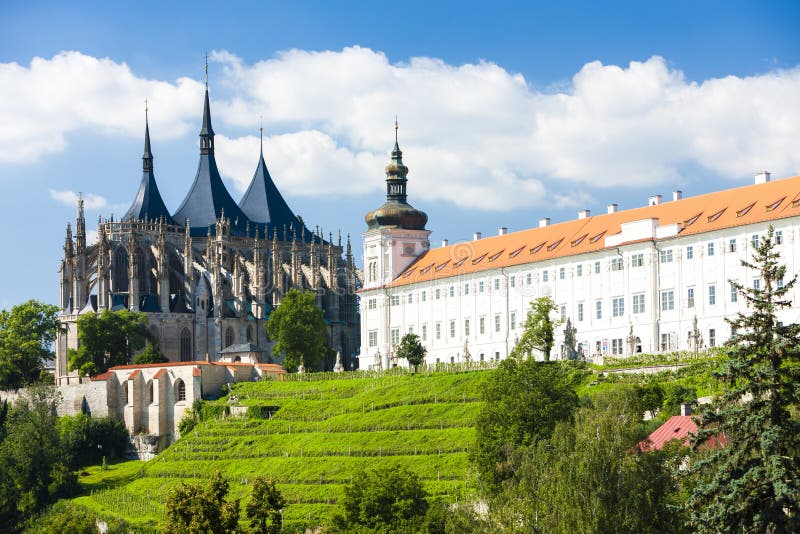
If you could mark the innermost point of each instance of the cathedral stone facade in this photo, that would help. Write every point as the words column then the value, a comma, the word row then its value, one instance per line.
column 208, row 275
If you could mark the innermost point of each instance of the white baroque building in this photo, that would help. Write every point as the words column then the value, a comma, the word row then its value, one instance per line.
column 629, row 281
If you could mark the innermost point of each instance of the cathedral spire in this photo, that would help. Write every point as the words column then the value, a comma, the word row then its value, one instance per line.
column 147, row 157
column 206, row 132
column 80, row 228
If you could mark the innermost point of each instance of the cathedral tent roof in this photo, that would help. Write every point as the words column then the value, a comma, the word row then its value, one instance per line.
column 208, row 198
column 148, row 204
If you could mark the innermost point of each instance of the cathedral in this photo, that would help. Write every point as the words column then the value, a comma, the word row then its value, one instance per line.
column 209, row 274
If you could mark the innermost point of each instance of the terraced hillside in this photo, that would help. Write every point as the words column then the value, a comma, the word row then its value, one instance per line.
column 312, row 437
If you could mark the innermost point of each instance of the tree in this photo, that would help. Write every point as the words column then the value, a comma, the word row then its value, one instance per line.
column 590, row 476
column 538, row 330
column 108, row 339
column 298, row 329
column 751, row 482
column 265, row 507
column 383, row 499
column 194, row 509
column 27, row 333
column 87, row 440
column 150, row 354
column 523, row 401
column 411, row 349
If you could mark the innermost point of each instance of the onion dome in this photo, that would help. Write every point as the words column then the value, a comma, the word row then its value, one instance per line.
column 396, row 212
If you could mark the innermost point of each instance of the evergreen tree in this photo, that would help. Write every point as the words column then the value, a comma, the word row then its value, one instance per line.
column 412, row 350
column 298, row 329
column 750, row 482
column 538, row 330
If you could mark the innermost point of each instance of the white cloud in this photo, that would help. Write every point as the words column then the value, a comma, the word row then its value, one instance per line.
column 473, row 134
column 69, row 198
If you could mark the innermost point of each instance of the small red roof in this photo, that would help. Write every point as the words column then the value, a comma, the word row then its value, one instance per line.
column 197, row 372
column 159, row 374
column 102, row 376
column 677, row 427
column 133, row 374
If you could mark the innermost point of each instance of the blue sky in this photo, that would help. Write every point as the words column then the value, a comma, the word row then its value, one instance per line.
column 509, row 111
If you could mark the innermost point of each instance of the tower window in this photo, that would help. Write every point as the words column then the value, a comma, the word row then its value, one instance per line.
column 228, row 336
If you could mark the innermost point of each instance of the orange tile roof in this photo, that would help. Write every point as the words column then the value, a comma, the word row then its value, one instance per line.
column 777, row 199
column 197, row 372
column 101, row 377
column 159, row 374
column 677, row 427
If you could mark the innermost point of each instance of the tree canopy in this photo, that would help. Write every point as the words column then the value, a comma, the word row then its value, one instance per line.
column 538, row 330
column 108, row 339
column 298, row 329
column 751, row 480
column 411, row 349
column 27, row 334
column 265, row 507
column 150, row 354
column 195, row 509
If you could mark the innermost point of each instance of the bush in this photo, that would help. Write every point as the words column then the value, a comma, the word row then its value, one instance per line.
column 87, row 440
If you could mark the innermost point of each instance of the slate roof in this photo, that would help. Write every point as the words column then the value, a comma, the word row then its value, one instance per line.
column 241, row 347
column 208, row 197
column 148, row 204
column 740, row 206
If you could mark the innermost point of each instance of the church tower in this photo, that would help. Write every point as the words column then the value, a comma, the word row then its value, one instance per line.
column 396, row 233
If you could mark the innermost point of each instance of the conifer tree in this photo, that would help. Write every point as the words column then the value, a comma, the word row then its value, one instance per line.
column 749, row 481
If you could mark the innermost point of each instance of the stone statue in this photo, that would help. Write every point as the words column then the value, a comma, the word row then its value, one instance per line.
column 338, row 367
column 570, row 350
column 467, row 355
column 378, row 361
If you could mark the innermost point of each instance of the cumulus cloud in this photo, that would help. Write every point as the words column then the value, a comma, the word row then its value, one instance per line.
column 69, row 198
column 474, row 134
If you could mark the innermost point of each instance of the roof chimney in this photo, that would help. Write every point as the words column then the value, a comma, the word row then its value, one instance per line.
column 655, row 200
column 476, row 236
column 677, row 195
column 583, row 214
column 686, row 409
column 612, row 208
column 502, row 231
column 544, row 222
column 762, row 177
column 444, row 242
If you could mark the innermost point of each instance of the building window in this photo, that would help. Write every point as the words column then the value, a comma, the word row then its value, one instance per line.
column 561, row 273
column 466, row 327
column 186, row 345
column 438, row 330
column 756, row 283
column 689, row 253
column 711, row 249
column 481, row 286
column 466, row 289
column 512, row 281
column 481, row 356
column 637, row 260
column 411, row 298
column 616, row 346
column 579, row 270
column 545, row 276
column 580, row 311
column 563, row 312
column 712, row 294
column 372, row 304
column 667, row 300
column 438, row 293
column 410, row 329
column 452, row 328
column 452, row 291
column 180, row 391
column 395, row 336
column 665, row 342
column 150, row 397
column 249, row 333
column 497, row 323
column 423, row 296
column 616, row 264
column 497, row 356
column 496, row 284
column 734, row 293
column 780, row 283
column 665, row 256
column 528, row 279
column 778, row 237
column 394, row 300
column 732, row 245
column 424, row 332
column 690, row 297
column 754, row 240
column 482, row 325
column 598, row 309
column 373, row 338
column 638, row 303
column 228, row 336
column 712, row 337
column 513, row 320
column 124, row 391
column 618, row 306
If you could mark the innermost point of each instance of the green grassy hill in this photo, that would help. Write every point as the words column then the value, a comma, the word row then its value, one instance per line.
column 311, row 437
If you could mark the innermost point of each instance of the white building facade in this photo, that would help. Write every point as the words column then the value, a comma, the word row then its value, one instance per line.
column 629, row 281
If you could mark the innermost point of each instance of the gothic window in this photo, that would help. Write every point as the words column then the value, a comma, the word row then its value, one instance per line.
column 249, row 333
column 120, row 271
column 124, row 392
column 186, row 345
column 146, row 264
column 175, row 275
column 180, row 390
column 228, row 336
column 150, row 392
